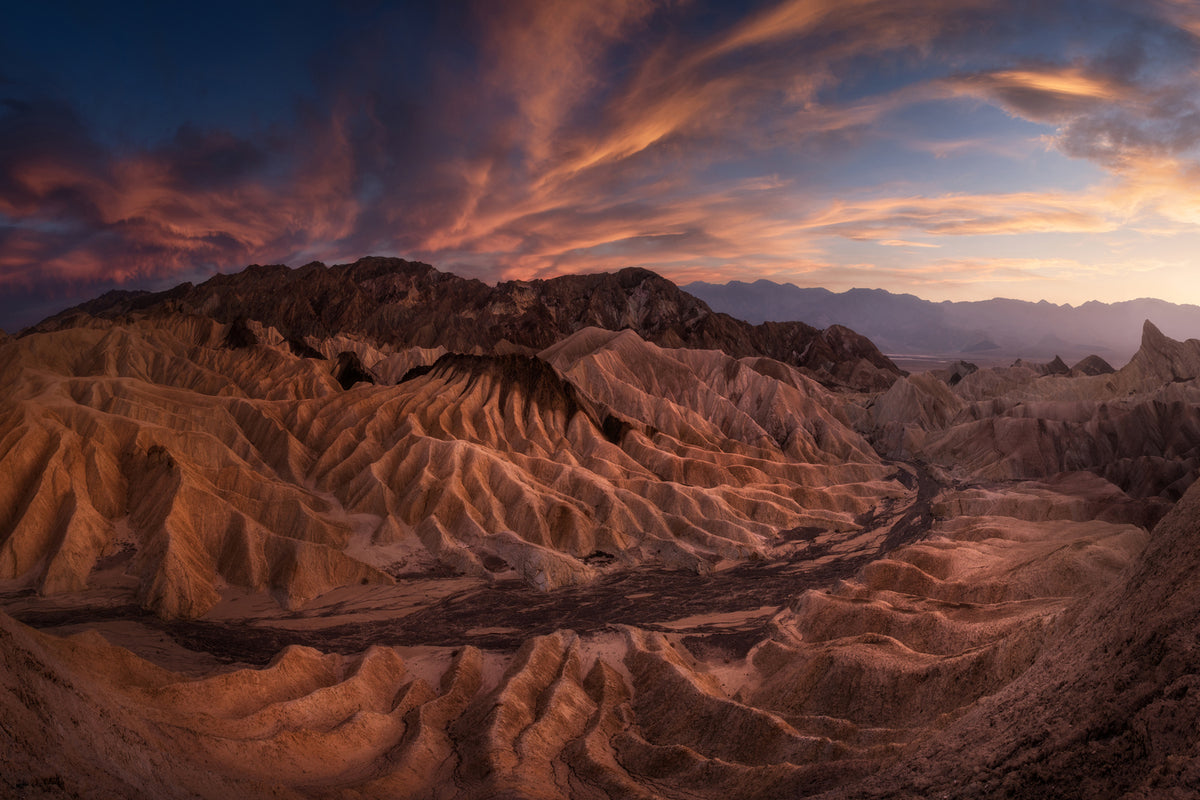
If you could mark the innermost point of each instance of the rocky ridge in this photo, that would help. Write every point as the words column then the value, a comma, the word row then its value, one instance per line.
column 1138, row 427
column 285, row 562
column 389, row 301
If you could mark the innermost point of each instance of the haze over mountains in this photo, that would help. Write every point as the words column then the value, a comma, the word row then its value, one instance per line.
column 373, row 530
column 987, row 329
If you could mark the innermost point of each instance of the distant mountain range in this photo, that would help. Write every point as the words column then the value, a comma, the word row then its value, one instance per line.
column 903, row 324
column 399, row 303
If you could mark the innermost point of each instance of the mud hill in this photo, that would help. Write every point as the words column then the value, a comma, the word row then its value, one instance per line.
column 213, row 465
column 249, row 550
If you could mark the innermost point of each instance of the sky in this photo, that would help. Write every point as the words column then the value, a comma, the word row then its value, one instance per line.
column 956, row 150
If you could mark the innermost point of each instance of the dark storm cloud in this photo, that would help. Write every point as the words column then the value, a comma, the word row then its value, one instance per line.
column 197, row 159
column 37, row 137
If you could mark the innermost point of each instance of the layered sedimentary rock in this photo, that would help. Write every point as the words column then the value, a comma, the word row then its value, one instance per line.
column 1138, row 427
column 847, row 680
column 207, row 463
column 264, row 557
column 1109, row 709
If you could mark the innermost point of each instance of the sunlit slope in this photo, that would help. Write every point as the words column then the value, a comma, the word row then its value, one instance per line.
column 206, row 464
column 989, row 596
column 847, row 682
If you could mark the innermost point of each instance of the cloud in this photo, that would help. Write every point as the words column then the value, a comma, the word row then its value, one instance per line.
column 903, row 243
column 644, row 142
column 1181, row 13
column 1131, row 108
column 560, row 105
column 37, row 141
column 1008, row 148
column 1105, row 120
column 1043, row 93
column 545, row 56
column 852, row 24
column 759, row 83
column 547, row 137
column 204, row 197
column 969, row 215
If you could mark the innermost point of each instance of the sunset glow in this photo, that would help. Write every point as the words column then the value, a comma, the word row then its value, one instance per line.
column 955, row 150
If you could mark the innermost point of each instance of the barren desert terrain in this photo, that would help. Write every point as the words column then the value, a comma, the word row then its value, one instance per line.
column 374, row 530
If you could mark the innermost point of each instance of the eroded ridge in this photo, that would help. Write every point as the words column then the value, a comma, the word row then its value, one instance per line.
column 244, row 562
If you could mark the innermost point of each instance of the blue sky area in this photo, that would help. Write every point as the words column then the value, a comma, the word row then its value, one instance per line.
column 954, row 150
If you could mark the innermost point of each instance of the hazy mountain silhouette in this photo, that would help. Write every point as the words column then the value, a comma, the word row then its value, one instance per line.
column 906, row 324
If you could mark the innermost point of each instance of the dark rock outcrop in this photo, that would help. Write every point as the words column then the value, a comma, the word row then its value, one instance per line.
column 349, row 370
column 1055, row 366
column 407, row 303
column 304, row 350
column 954, row 373
column 527, row 375
column 239, row 336
column 1093, row 365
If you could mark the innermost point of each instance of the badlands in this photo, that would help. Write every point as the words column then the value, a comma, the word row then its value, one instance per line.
column 373, row 530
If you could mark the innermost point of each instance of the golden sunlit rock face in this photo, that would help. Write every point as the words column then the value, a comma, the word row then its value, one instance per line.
column 316, row 533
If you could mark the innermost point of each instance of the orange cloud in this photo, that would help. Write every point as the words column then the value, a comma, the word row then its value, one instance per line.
column 540, row 157
column 969, row 215
column 1144, row 135
column 875, row 23
column 680, row 103
column 903, row 243
column 163, row 225
column 545, row 56
column 1183, row 14
column 1062, row 81
column 588, row 206
column 1045, row 93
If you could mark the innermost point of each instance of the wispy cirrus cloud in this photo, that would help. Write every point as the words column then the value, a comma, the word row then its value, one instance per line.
column 904, row 243
column 1043, row 92
column 1132, row 109
column 884, row 218
column 685, row 107
column 546, row 137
